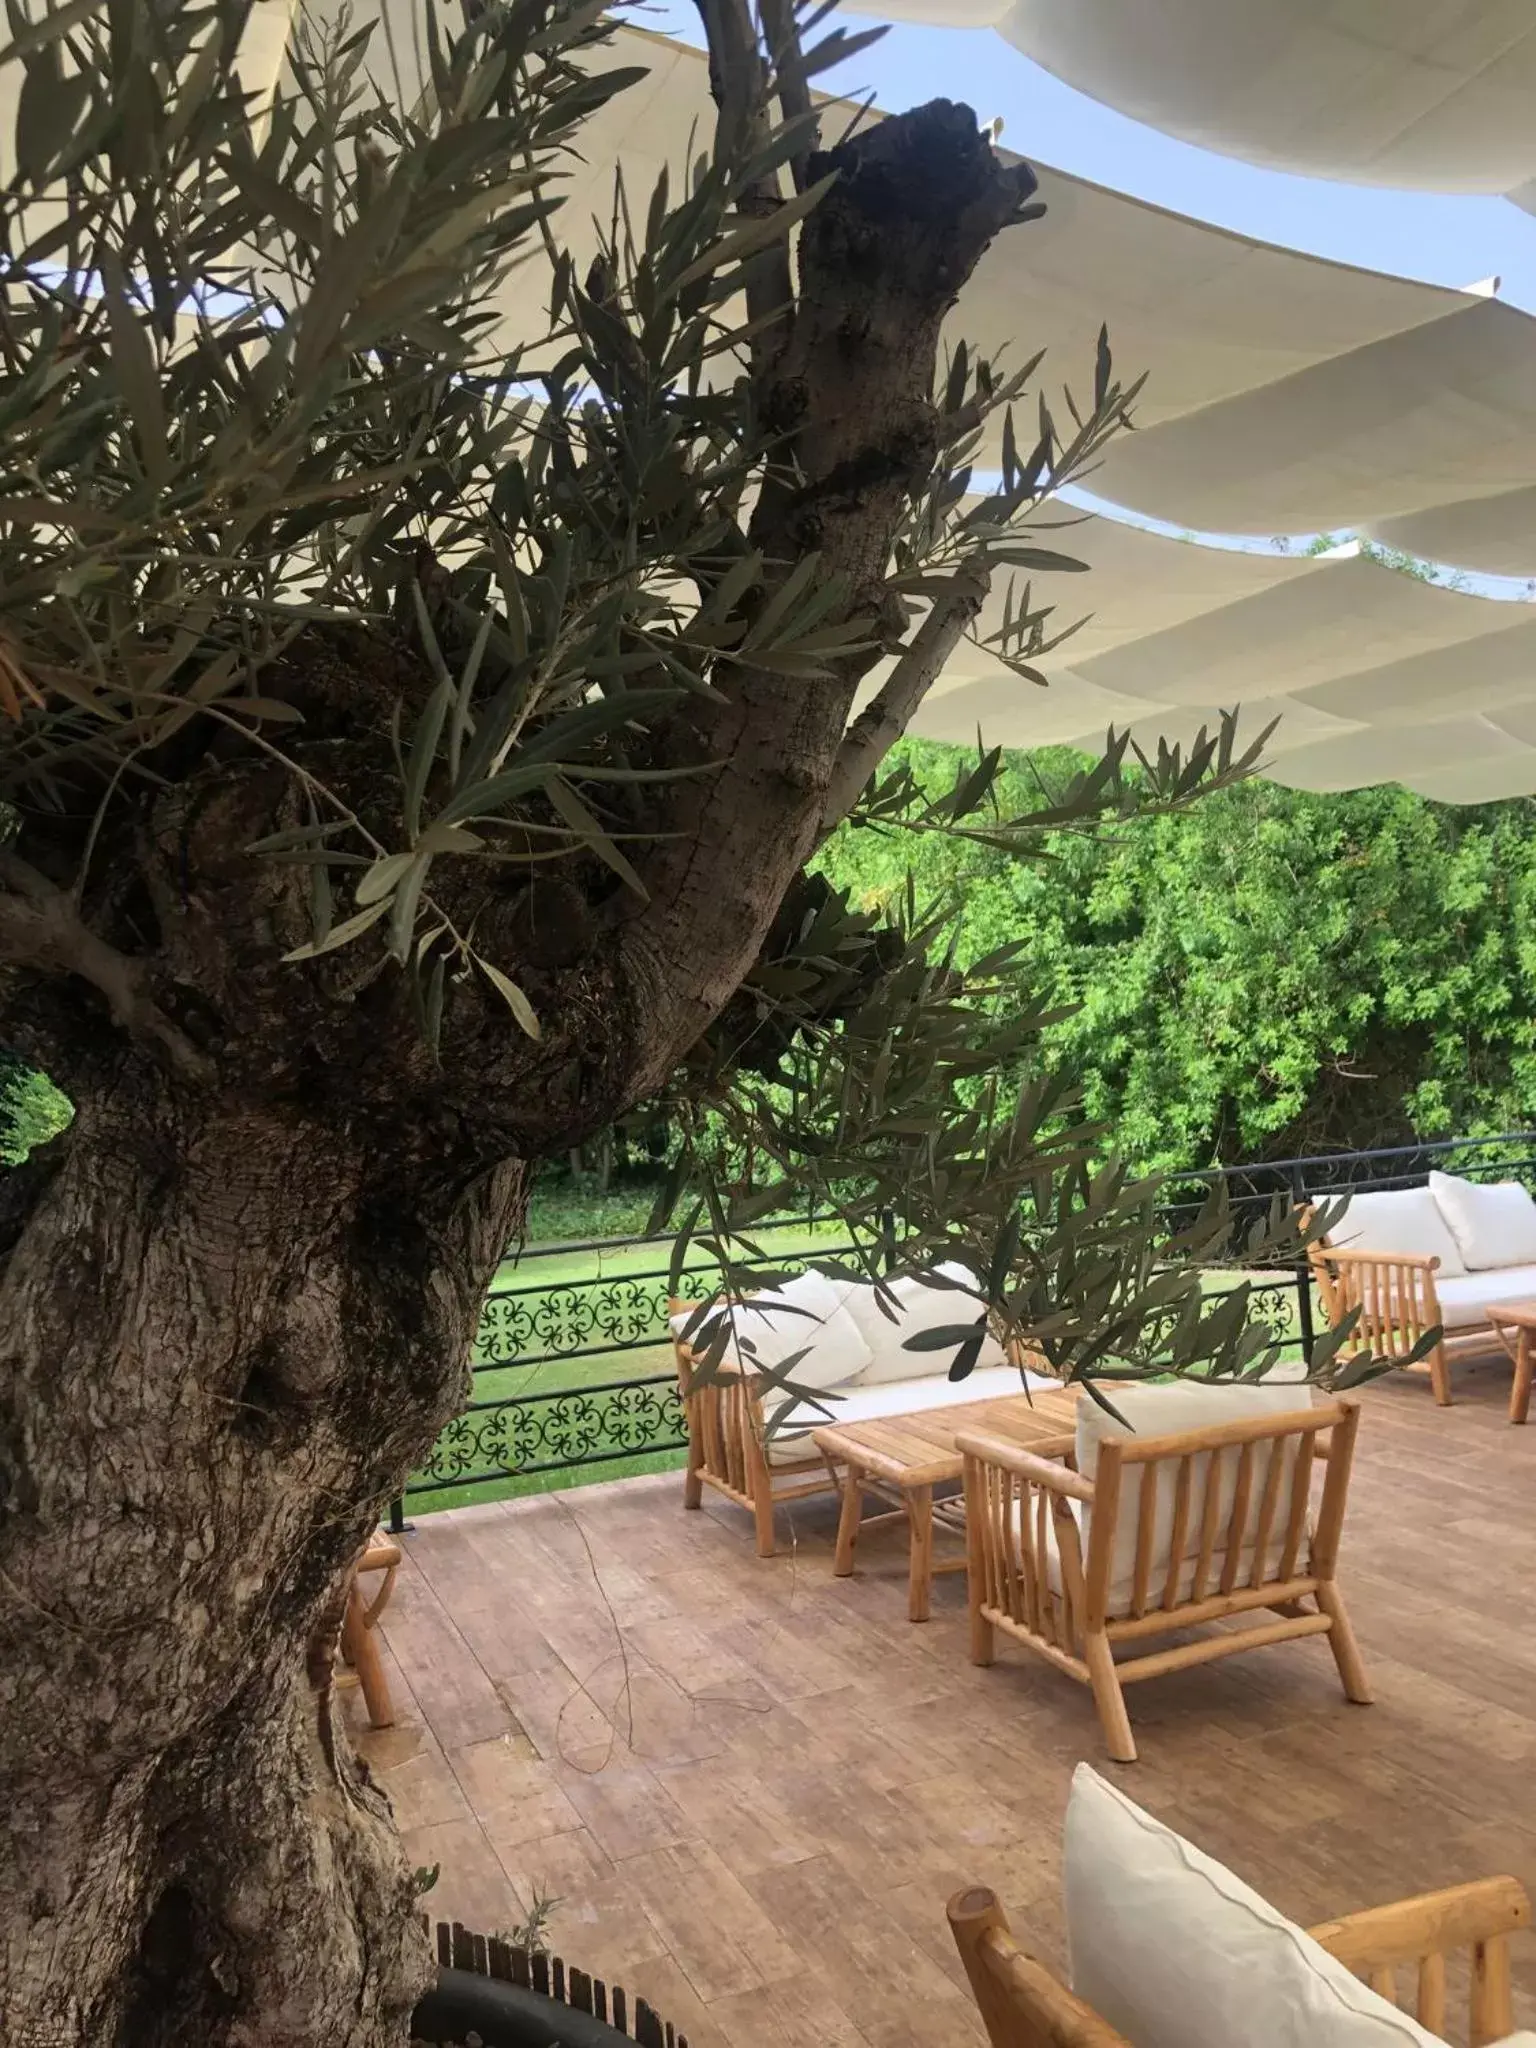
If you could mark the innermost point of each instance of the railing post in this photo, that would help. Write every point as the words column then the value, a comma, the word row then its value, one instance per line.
column 398, row 1525
column 1303, row 1280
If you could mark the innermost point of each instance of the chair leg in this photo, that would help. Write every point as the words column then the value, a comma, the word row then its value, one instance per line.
column 1440, row 1376
column 1341, row 1640
column 1108, row 1698
column 848, row 1524
column 693, row 1478
column 762, row 1510
column 920, row 1559
column 362, row 1652
column 1520, row 1392
column 983, row 1634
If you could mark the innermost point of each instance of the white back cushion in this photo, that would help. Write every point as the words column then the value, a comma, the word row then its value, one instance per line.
column 803, row 1315
column 1168, row 1411
column 1174, row 1951
column 1398, row 1220
column 918, row 1307
column 1492, row 1225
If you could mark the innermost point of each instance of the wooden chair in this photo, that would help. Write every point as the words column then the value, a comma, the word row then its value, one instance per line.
column 358, row 1648
column 1172, row 1533
column 1023, row 2006
column 726, row 1439
column 1395, row 1294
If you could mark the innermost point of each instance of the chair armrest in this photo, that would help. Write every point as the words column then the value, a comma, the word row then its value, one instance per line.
column 1031, row 1465
column 1426, row 1262
column 1384, row 1937
column 726, row 1369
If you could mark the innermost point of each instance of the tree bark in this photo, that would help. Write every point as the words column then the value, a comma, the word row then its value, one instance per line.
column 221, row 1347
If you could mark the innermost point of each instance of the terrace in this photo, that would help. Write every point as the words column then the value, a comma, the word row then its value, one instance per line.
column 751, row 1785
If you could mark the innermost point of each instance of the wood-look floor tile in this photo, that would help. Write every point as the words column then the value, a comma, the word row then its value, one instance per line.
column 897, row 1996
column 712, row 1926
column 752, row 1786
column 625, row 1807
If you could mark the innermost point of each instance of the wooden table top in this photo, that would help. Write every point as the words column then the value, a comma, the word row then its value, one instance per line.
column 920, row 1450
column 1521, row 1313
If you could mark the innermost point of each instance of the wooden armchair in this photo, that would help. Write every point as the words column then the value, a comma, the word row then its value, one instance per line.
column 1395, row 1294
column 1171, row 1533
column 1023, row 2006
column 726, row 1444
column 358, row 1648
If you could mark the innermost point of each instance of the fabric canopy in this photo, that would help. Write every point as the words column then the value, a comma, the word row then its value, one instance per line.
column 1284, row 394
column 1374, row 675
column 1381, row 92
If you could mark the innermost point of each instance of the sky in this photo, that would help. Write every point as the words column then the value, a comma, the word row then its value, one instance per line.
column 1446, row 239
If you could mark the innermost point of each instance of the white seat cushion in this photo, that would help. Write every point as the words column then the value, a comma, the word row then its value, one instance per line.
column 1398, row 1220
column 789, row 1441
column 1174, row 1951
column 803, row 1315
column 1493, row 1225
column 918, row 1307
column 1465, row 1300
column 1152, row 1411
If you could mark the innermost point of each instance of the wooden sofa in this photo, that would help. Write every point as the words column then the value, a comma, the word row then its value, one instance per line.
column 1172, row 1949
column 1408, row 1259
column 733, row 1449
column 1023, row 2005
column 1176, row 1521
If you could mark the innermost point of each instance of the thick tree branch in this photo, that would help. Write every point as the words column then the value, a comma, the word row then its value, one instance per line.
column 737, row 83
column 883, row 721
column 783, row 32
column 41, row 928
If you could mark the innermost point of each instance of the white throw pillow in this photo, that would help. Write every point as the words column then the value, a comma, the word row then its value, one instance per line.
column 1492, row 1225
column 1169, row 1411
column 803, row 1315
column 919, row 1307
column 1174, row 1951
column 1398, row 1220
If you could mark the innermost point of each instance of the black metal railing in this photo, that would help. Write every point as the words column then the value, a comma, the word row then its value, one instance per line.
column 552, row 1395
column 576, row 1333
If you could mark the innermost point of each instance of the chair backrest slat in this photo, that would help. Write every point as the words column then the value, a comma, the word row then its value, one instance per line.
column 1237, row 1521
column 1273, row 1472
column 1300, row 1503
column 1209, row 1516
column 1180, row 1533
column 1146, row 1537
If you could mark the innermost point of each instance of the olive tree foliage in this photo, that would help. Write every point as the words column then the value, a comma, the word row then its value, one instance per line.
column 255, row 391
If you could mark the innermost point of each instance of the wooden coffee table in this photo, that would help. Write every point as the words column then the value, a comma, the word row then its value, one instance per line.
column 1517, row 1320
column 904, row 1457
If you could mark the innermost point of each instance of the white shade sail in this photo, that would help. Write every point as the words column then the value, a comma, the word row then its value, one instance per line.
column 1279, row 385
column 1411, row 93
column 1373, row 675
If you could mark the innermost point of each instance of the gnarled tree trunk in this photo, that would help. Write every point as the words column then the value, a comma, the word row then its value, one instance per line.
column 223, row 1339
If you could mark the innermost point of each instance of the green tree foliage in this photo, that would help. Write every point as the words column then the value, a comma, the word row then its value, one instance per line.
column 31, row 1109
column 1264, row 974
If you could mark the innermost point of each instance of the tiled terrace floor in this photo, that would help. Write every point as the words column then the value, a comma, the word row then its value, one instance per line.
column 753, row 1786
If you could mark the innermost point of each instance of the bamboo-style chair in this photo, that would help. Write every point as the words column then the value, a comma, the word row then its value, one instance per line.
column 1171, row 1533
column 1023, row 2005
column 1398, row 1303
column 724, row 1418
column 358, row 1648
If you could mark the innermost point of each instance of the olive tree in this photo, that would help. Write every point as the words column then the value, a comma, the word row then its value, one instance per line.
column 409, row 744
